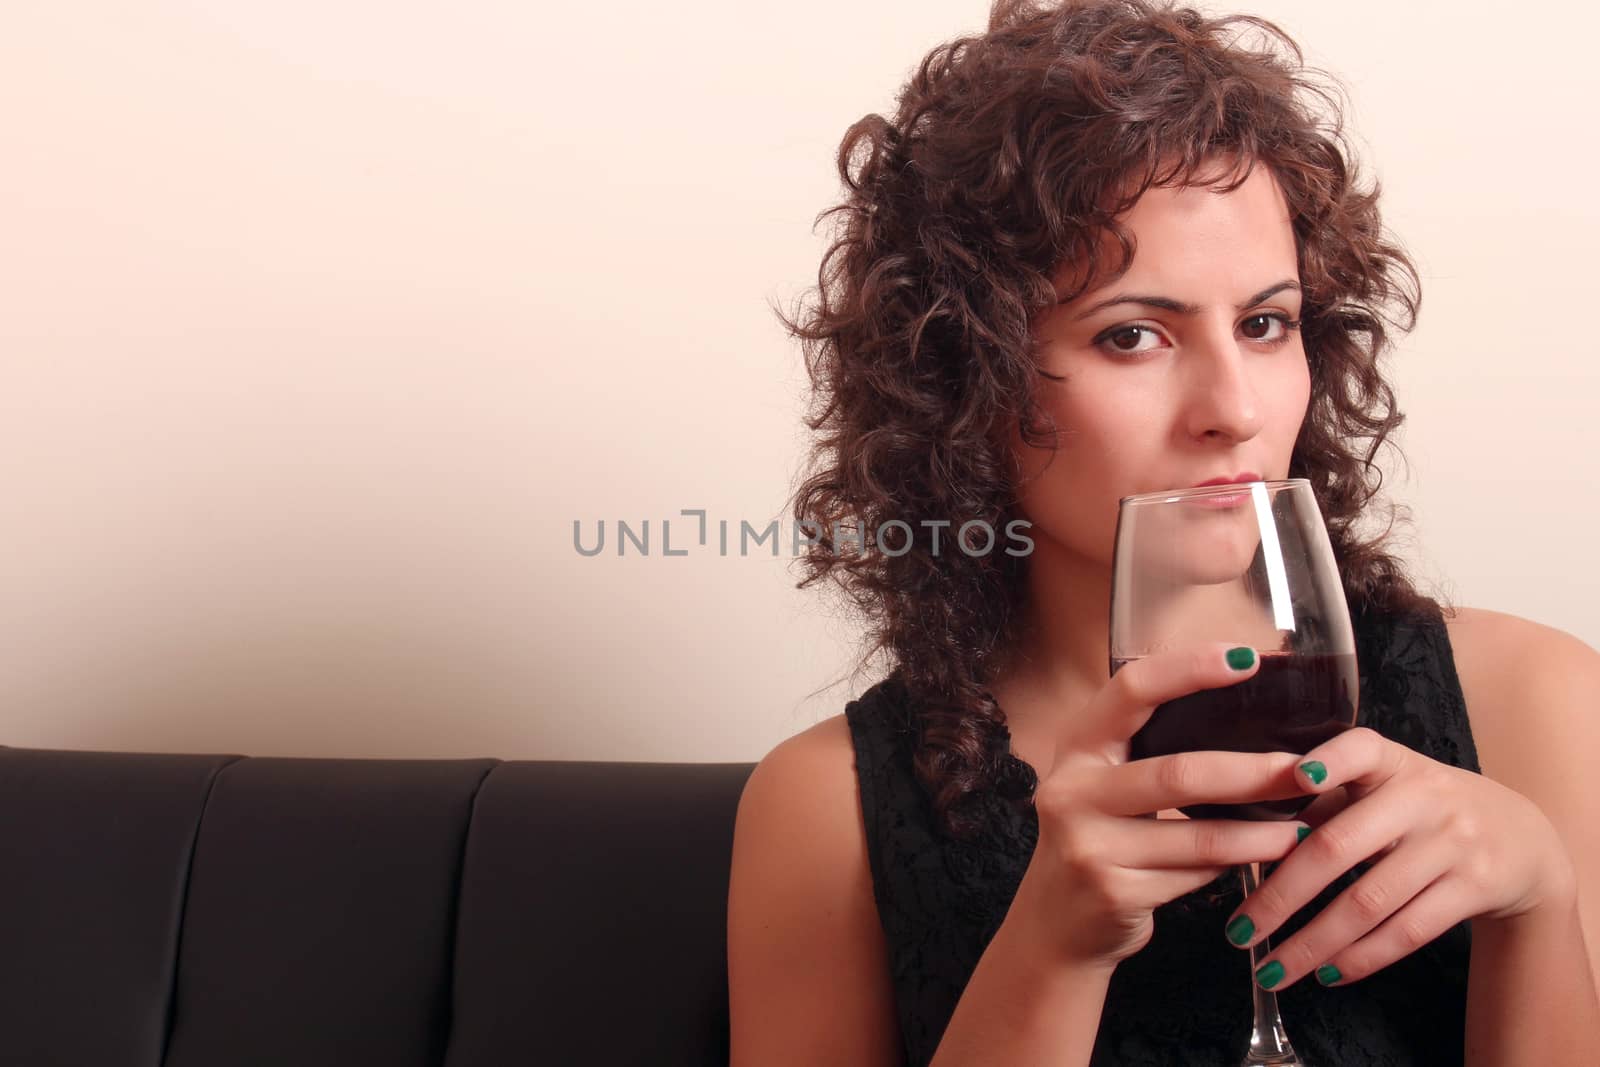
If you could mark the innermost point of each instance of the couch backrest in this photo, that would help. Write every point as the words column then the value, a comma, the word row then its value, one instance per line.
column 218, row 911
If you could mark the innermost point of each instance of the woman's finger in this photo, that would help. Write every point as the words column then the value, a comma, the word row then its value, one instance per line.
column 1157, row 885
column 1326, row 806
column 1376, row 896
column 1184, row 778
column 1355, row 834
column 1122, row 706
column 1172, row 843
column 1428, row 915
column 1360, row 760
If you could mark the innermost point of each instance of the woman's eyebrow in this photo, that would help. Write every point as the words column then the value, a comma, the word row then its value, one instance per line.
column 1168, row 304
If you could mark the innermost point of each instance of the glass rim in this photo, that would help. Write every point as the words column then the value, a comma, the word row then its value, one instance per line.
column 1168, row 495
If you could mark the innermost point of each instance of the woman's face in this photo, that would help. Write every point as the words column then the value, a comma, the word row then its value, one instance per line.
column 1191, row 375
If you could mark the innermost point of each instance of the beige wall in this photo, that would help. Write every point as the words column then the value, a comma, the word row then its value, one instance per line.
column 322, row 322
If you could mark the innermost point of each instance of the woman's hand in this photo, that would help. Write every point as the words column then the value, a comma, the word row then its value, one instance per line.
column 1454, row 845
column 1102, row 864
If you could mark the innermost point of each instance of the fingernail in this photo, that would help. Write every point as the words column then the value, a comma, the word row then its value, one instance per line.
column 1315, row 771
column 1241, row 658
column 1269, row 974
column 1239, row 929
column 1328, row 974
column 1301, row 833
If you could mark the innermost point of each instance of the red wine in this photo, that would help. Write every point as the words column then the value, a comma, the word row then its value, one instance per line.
column 1291, row 704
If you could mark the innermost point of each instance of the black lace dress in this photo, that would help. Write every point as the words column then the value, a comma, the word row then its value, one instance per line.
column 1185, row 998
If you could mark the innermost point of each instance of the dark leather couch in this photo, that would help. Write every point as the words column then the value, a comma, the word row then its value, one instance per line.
column 219, row 911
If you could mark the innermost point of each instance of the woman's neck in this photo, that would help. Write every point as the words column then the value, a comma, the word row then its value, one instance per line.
column 1061, row 655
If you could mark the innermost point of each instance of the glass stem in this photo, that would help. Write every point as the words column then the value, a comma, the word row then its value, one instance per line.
column 1269, row 1045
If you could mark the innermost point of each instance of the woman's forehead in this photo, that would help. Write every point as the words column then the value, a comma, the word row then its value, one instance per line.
column 1193, row 232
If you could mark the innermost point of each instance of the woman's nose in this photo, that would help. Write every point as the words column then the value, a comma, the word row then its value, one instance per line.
column 1221, row 400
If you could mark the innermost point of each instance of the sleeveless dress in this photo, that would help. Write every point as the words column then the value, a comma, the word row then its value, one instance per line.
column 1185, row 998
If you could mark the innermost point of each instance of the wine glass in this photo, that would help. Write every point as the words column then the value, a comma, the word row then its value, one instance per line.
column 1248, row 563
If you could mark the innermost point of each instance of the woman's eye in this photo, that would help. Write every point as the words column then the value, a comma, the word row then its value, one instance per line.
column 1251, row 323
column 1124, row 339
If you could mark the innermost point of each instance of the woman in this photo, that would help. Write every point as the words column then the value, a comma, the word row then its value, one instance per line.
column 1103, row 249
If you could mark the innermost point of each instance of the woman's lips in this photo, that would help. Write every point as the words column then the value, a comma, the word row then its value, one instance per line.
column 1219, row 500
column 1241, row 477
column 1224, row 500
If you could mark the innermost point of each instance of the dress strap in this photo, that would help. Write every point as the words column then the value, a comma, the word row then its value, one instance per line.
column 1410, row 691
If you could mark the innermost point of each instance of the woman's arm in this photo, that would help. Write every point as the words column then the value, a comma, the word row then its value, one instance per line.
column 1530, row 995
column 1022, row 1008
column 1533, row 694
column 808, row 969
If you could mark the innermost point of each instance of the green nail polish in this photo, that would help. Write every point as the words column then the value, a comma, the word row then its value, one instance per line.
column 1240, row 929
column 1301, row 833
column 1315, row 771
column 1241, row 658
column 1269, row 974
column 1328, row 974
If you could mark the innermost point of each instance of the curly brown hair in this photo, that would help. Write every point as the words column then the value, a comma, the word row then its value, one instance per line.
column 1010, row 154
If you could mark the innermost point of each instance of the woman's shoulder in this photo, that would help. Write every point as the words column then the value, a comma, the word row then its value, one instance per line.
column 807, row 779
column 816, row 757
column 1507, row 663
column 803, row 928
column 813, row 776
column 1499, row 659
column 803, row 798
column 1530, row 691
column 1478, row 623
